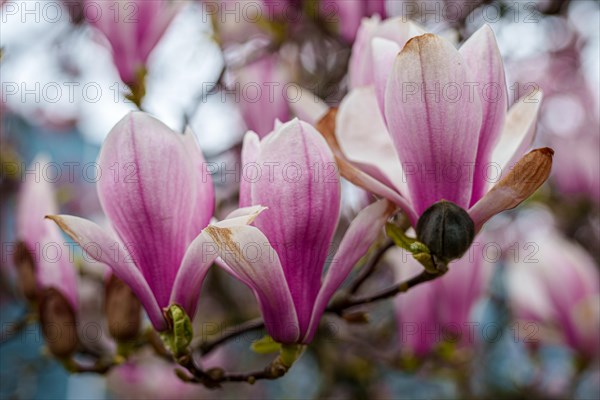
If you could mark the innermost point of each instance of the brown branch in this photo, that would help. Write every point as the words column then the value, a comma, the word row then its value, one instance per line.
column 213, row 377
column 252, row 325
column 369, row 269
column 401, row 287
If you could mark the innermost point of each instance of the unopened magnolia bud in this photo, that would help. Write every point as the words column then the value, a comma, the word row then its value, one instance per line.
column 447, row 230
column 26, row 271
column 58, row 322
column 123, row 310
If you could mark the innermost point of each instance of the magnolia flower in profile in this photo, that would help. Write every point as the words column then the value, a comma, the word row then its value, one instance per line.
column 133, row 29
column 433, row 125
column 557, row 288
column 292, row 172
column 45, row 271
column 158, row 196
column 442, row 310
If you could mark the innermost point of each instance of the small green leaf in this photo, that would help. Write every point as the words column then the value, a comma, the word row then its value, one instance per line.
column 290, row 353
column 265, row 345
column 419, row 250
column 399, row 237
column 180, row 336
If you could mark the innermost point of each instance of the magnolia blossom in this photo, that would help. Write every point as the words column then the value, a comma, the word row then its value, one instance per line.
column 157, row 194
column 556, row 287
column 431, row 123
column 440, row 310
column 43, row 258
column 282, row 257
column 133, row 29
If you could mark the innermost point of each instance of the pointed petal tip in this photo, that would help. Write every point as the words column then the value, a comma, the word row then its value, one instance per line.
column 57, row 219
column 546, row 151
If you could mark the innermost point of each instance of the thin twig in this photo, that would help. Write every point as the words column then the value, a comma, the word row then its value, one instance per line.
column 384, row 294
column 213, row 378
column 252, row 325
column 368, row 270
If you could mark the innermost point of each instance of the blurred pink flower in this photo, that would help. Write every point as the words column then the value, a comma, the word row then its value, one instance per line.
column 133, row 28
column 558, row 288
column 567, row 117
column 150, row 377
column 157, row 194
column 42, row 240
column 283, row 255
column 367, row 50
column 262, row 93
column 432, row 135
column 440, row 310
column 348, row 14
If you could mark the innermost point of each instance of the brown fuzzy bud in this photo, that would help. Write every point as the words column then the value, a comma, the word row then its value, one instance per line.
column 123, row 310
column 59, row 323
column 25, row 266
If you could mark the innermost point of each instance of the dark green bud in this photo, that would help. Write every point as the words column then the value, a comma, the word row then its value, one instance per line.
column 447, row 230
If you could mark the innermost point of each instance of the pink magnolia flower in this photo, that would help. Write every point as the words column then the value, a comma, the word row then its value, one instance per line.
column 283, row 255
column 262, row 94
column 133, row 29
column 45, row 253
column 440, row 310
column 157, row 194
column 348, row 14
column 431, row 123
column 557, row 288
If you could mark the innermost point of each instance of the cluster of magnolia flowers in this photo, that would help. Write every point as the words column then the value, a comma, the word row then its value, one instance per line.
column 387, row 137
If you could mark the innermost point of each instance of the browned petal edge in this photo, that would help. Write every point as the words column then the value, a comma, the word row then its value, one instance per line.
column 414, row 44
column 61, row 224
column 326, row 126
column 223, row 237
column 58, row 322
column 528, row 174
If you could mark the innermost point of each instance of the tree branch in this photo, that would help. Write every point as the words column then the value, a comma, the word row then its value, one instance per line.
column 252, row 325
column 401, row 287
column 368, row 270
